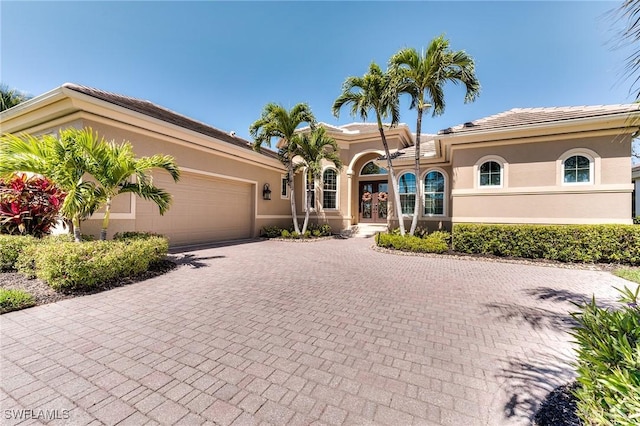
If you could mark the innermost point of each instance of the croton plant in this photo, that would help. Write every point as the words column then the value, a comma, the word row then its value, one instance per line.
column 29, row 205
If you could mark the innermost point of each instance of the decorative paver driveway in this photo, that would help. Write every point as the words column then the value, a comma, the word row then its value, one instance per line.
column 273, row 332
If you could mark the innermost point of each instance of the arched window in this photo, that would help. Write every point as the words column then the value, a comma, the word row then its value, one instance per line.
column 407, row 191
column 577, row 169
column 434, row 193
column 490, row 174
column 372, row 168
column 330, row 189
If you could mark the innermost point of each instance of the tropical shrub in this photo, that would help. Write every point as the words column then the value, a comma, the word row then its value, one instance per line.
column 28, row 205
column 135, row 235
column 271, row 232
column 12, row 300
column 436, row 242
column 608, row 362
column 68, row 266
column 564, row 243
column 636, row 220
column 10, row 248
column 318, row 230
column 285, row 234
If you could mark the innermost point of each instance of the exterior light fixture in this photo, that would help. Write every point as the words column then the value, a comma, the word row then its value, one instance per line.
column 266, row 192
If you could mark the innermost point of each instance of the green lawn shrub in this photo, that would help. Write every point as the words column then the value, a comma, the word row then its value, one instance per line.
column 564, row 243
column 10, row 248
column 436, row 242
column 135, row 235
column 271, row 232
column 69, row 266
column 318, row 230
column 12, row 300
column 608, row 362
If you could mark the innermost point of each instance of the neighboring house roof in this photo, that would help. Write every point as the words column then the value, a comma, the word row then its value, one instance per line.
column 635, row 172
column 529, row 116
column 155, row 111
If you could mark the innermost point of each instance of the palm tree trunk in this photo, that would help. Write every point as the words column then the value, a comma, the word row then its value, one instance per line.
column 416, row 210
column 77, row 234
column 105, row 221
column 308, row 209
column 292, row 196
column 394, row 182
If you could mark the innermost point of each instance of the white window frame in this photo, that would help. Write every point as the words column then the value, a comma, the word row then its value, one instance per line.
column 445, row 203
column 304, row 191
column 337, row 190
column 594, row 166
column 284, row 185
column 415, row 193
column 503, row 172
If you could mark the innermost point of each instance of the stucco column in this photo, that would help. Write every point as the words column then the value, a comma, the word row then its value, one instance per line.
column 349, row 193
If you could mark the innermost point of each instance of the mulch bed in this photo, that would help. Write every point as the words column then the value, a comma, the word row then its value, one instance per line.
column 559, row 408
column 44, row 294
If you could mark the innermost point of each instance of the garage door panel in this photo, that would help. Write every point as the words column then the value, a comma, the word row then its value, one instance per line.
column 204, row 209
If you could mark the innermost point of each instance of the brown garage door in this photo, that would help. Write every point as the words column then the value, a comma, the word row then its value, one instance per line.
column 204, row 209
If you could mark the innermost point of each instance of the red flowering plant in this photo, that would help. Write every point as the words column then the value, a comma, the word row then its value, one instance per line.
column 28, row 205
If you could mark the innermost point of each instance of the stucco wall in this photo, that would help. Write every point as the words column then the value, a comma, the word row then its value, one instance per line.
column 533, row 190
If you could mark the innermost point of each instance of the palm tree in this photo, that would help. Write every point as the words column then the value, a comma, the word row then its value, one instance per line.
column 60, row 160
column 314, row 149
column 10, row 97
column 423, row 76
column 114, row 166
column 277, row 122
column 628, row 15
column 374, row 91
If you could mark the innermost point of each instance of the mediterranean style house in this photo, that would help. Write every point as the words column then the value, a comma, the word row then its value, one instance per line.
column 543, row 166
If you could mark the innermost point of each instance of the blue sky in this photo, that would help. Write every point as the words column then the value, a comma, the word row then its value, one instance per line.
column 221, row 62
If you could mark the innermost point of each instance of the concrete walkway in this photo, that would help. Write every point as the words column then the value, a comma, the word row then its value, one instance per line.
column 274, row 332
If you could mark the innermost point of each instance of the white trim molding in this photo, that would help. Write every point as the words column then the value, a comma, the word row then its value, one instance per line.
column 504, row 172
column 446, row 196
column 594, row 167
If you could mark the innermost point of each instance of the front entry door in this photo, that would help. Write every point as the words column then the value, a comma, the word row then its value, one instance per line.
column 373, row 201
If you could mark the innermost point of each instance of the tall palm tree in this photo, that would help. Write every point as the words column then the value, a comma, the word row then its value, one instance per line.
column 60, row 160
column 277, row 122
column 375, row 91
column 314, row 149
column 10, row 97
column 114, row 166
column 423, row 76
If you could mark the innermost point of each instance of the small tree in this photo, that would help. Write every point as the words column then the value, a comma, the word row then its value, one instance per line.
column 422, row 76
column 29, row 205
column 276, row 122
column 59, row 159
column 375, row 91
column 10, row 97
column 313, row 149
column 114, row 166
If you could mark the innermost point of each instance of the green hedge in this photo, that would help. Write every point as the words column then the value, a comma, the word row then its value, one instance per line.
column 608, row 362
column 436, row 242
column 10, row 248
column 79, row 266
column 565, row 243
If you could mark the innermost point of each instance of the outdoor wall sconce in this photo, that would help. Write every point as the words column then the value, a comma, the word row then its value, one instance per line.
column 266, row 192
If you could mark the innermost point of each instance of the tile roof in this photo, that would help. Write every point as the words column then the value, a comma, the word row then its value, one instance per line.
column 529, row 116
column 155, row 111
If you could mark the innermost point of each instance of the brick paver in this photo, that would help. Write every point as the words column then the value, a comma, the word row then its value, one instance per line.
column 273, row 332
